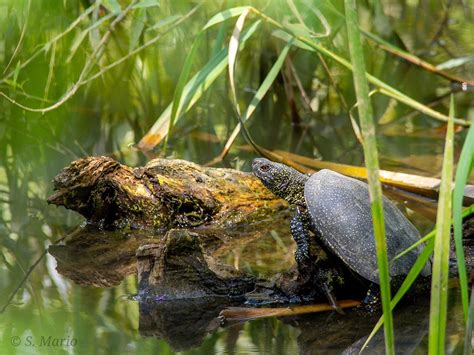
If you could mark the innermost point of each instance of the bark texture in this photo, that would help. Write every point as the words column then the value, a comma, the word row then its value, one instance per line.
column 164, row 193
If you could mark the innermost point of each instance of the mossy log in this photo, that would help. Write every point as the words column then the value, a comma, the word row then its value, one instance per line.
column 165, row 193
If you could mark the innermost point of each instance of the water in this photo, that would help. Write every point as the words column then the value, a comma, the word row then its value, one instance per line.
column 82, row 291
column 78, row 299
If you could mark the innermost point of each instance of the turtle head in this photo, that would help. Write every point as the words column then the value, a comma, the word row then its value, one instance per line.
column 282, row 180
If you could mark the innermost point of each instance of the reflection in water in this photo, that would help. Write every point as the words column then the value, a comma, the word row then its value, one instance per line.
column 194, row 323
column 102, row 258
column 99, row 259
column 182, row 323
column 411, row 327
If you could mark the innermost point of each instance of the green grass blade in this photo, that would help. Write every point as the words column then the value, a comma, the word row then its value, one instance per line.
column 137, row 27
column 415, row 271
column 164, row 22
column 467, row 212
column 439, row 283
column 261, row 92
column 112, row 6
column 371, row 161
column 220, row 39
column 225, row 15
column 284, row 36
column 469, row 324
column 146, row 4
column 183, row 78
column 291, row 4
column 233, row 50
column 384, row 87
column 462, row 174
column 430, row 235
column 193, row 91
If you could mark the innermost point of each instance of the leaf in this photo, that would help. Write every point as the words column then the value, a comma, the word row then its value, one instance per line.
column 455, row 62
column 286, row 37
column 76, row 44
column 390, row 113
column 463, row 171
column 299, row 29
column 112, row 5
column 80, row 37
column 183, row 77
column 193, row 91
column 302, row 25
column 261, row 92
column 416, row 269
column 138, row 23
column 440, row 274
column 233, row 50
column 164, row 22
column 371, row 161
column 219, row 42
column 146, row 3
column 226, row 14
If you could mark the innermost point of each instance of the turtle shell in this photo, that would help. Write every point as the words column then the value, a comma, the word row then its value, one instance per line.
column 341, row 214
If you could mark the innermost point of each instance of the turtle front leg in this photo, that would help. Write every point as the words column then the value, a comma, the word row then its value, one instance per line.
column 299, row 227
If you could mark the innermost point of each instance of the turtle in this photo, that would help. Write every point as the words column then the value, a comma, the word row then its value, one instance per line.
column 337, row 210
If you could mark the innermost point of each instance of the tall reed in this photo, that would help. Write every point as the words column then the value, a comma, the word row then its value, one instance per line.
column 371, row 161
column 439, row 283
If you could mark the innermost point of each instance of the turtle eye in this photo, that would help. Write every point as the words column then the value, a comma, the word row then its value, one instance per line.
column 265, row 168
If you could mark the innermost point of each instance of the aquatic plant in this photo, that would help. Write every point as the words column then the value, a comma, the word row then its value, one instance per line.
column 177, row 78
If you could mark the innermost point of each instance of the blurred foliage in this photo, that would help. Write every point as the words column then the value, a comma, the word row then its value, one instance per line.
column 53, row 51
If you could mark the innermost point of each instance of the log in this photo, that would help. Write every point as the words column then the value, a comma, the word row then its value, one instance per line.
column 163, row 194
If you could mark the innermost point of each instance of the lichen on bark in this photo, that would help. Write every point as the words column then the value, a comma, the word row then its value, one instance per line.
column 165, row 193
